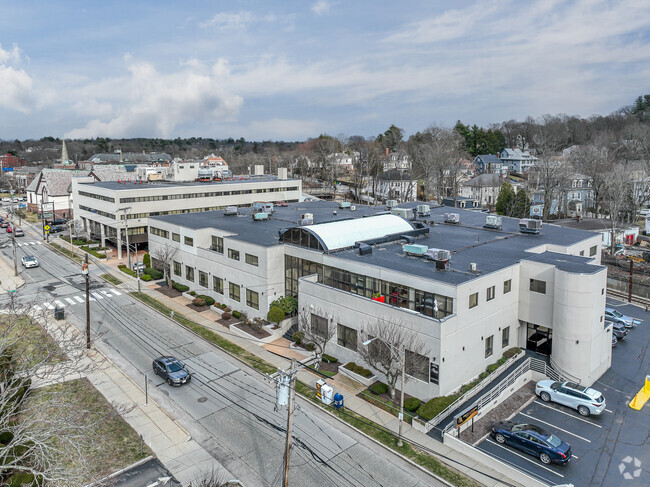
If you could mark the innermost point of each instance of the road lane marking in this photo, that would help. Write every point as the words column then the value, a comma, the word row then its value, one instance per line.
column 39, row 243
column 32, row 243
column 115, row 291
column 97, row 295
column 48, row 305
column 108, row 295
column 525, row 458
column 70, row 301
column 556, row 427
column 570, row 415
column 609, row 411
column 59, row 304
column 79, row 299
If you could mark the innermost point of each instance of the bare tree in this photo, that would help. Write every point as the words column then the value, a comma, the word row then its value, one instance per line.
column 318, row 328
column 618, row 200
column 164, row 256
column 548, row 176
column 390, row 343
column 594, row 161
column 215, row 478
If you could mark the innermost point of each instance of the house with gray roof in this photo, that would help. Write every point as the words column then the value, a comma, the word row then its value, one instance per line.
column 490, row 164
column 517, row 160
column 52, row 187
column 485, row 188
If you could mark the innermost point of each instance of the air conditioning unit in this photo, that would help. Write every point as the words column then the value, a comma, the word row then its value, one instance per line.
column 494, row 222
column 230, row 210
column 530, row 225
column 439, row 255
column 345, row 204
column 405, row 213
column 390, row 204
column 260, row 216
column 415, row 249
column 306, row 219
column 424, row 210
column 452, row 218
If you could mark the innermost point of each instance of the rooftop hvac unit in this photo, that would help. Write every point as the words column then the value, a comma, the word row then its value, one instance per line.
column 473, row 267
column 258, row 217
column 415, row 249
column 345, row 204
column 306, row 219
column 405, row 213
column 452, row 218
column 230, row 210
column 390, row 204
column 365, row 249
column 439, row 255
column 263, row 206
column 494, row 222
column 529, row 225
column 424, row 210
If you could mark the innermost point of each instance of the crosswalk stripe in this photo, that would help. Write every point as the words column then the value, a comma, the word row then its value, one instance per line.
column 97, row 295
column 32, row 243
column 59, row 304
column 107, row 294
column 79, row 299
column 37, row 307
column 19, row 245
column 115, row 291
column 70, row 301
column 48, row 305
column 39, row 243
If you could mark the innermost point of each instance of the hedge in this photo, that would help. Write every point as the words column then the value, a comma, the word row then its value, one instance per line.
column 236, row 314
column 412, row 404
column 192, row 293
column 180, row 287
column 329, row 359
column 208, row 300
column 154, row 273
column 357, row 369
column 378, row 388
column 145, row 277
column 126, row 270
column 93, row 252
column 275, row 315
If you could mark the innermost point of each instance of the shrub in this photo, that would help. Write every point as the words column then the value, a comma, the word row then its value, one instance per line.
column 275, row 315
column 298, row 337
column 208, row 300
column 225, row 316
column 309, row 346
column 192, row 293
column 154, row 273
column 145, row 277
column 412, row 404
column 511, row 352
column 217, row 305
column 378, row 388
column 146, row 260
column 433, row 407
column 287, row 304
column 358, row 369
column 198, row 302
column 180, row 287
column 126, row 270
column 329, row 359
column 224, row 306
column 236, row 314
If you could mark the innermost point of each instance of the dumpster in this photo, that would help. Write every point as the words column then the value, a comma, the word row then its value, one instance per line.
column 59, row 313
column 338, row 400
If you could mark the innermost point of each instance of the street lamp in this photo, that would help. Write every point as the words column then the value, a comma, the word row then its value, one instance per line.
column 401, row 400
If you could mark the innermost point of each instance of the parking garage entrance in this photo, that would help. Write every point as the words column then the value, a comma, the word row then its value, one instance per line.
column 539, row 339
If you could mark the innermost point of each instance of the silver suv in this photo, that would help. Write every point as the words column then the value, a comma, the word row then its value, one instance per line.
column 584, row 399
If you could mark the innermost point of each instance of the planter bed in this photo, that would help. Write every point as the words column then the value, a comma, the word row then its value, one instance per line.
column 170, row 292
column 198, row 309
column 249, row 330
column 366, row 381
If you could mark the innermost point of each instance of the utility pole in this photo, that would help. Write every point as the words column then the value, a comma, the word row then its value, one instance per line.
column 401, row 402
column 126, row 231
column 137, row 266
column 13, row 239
column 84, row 272
column 70, row 235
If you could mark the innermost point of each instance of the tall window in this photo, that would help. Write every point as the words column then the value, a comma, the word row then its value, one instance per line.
column 252, row 299
column 507, row 286
column 189, row 241
column 233, row 254
column 491, row 291
column 505, row 337
column 346, row 337
column 176, row 237
column 234, row 292
column 251, row 259
column 319, row 325
column 417, row 366
column 473, row 300
column 593, row 250
column 177, row 268
column 203, row 279
column 489, row 342
column 189, row 273
column 217, row 284
column 538, row 286
column 217, row 244
column 434, row 377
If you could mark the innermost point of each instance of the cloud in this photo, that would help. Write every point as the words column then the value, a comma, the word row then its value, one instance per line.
column 13, row 55
column 225, row 20
column 282, row 129
column 156, row 104
column 17, row 86
column 321, row 7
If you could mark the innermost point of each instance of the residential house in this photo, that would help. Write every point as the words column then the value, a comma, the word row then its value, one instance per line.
column 50, row 192
column 485, row 188
column 397, row 160
column 396, row 185
column 517, row 160
column 490, row 164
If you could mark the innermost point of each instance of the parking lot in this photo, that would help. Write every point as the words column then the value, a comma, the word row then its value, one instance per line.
column 606, row 447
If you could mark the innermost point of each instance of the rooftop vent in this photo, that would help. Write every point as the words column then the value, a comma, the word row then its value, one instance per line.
column 452, row 218
column 529, row 225
column 406, row 213
column 306, row 219
column 494, row 222
column 345, row 204
column 439, row 255
column 473, row 267
column 415, row 249
column 230, row 210
column 261, row 216
column 424, row 210
column 390, row 204
column 365, row 249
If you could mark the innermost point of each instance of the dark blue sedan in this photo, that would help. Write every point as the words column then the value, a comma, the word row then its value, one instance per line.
column 533, row 440
column 172, row 370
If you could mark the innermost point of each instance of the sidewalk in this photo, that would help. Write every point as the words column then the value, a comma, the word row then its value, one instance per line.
column 446, row 454
column 9, row 281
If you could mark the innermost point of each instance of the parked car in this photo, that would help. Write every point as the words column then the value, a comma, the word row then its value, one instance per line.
column 533, row 440
column 618, row 329
column 617, row 317
column 583, row 399
column 137, row 265
column 19, row 232
column 57, row 229
column 172, row 370
column 4, row 224
column 28, row 261
column 58, row 221
column 6, row 200
column 614, row 341
column 10, row 228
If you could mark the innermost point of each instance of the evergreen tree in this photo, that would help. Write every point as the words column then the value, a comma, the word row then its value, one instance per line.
column 521, row 205
column 505, row 200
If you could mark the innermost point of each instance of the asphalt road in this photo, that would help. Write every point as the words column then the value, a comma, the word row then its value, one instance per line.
column 228, row 409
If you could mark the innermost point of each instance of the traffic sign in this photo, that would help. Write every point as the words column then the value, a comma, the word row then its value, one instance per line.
column 47, row 227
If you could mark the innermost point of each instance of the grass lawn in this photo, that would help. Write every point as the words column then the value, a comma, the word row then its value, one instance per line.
column 66, row 252
column 110, row 278
column 33, row 344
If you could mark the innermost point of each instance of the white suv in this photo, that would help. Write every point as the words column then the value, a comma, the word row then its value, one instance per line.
column 584, row 399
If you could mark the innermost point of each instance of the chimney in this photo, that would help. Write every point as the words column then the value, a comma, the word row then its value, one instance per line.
column 282, row 173
column 387, row 150
column 259, row 169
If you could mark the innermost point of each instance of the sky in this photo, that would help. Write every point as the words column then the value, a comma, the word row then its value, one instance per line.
column 290, row 70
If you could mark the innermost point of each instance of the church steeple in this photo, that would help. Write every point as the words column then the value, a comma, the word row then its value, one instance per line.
column 64, row 154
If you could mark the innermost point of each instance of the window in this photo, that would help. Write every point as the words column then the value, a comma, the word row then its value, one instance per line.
column 434, row 373
column 189, row 273
column 217, row 244
column 159, row 232
column 203, row 279
column 233, row 254
column 417, row 366
column 488, row 346
column 176, row 237
column 189, row 241
column 507, row 286
column 217, row 284
column 473, row 300
column 538, row 286
column 490, row 293
column 177, row 268
column 251, row 259
column 582, row 252
column 505, row 337
column 347, row 337
column 319, row 325
column 593, row 250
column 252, row 299
column 235, row 292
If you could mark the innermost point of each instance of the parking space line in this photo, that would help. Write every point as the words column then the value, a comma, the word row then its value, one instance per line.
column 521, row 468
column 609, row 411
column 556, row 427
column 525, row 458
column 570, row 415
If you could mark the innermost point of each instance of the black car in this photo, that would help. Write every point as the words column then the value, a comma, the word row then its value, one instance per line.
column 59, row 221
column 618, row 330
column 172, row 370
column 57, row 229
column 534, row 440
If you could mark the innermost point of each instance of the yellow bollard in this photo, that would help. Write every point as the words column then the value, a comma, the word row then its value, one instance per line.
column 642, row 396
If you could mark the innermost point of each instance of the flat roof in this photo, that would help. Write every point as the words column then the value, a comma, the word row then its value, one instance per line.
column 468, row 242
column 211, row 186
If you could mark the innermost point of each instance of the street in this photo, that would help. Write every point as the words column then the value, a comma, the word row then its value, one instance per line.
column 227, row 408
